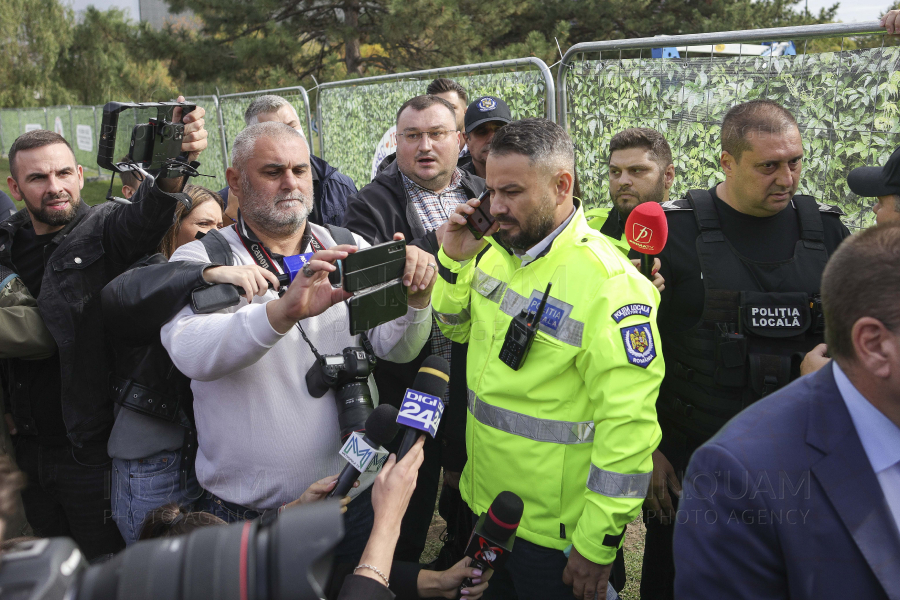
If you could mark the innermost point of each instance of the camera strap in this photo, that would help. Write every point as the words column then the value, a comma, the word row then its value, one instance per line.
column 270, row 261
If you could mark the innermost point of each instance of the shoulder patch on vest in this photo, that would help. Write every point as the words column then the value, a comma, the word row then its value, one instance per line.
column 680, row 204
column 828, row 208
column 632, row 310
column 640, row 347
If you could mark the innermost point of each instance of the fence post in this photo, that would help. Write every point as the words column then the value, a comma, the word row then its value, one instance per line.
column 72, row 126
column 46, row 120
column 319, row 125
column 97, row 133
column 224, row 142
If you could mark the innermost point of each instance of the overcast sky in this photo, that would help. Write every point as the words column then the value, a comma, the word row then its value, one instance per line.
column 850, row 10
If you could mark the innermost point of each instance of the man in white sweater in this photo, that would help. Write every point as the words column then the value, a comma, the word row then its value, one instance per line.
column 263, row 439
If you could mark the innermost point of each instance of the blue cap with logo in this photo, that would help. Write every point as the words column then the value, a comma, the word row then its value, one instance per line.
column 486, row 109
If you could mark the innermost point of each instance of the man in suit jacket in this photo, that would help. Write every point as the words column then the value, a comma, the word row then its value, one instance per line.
column 799, row 495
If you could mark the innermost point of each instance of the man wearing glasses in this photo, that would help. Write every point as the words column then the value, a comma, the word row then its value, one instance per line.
column 415, row 194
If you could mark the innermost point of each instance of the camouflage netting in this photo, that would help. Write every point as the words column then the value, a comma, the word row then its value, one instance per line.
column 356, row 117
column 845, row 103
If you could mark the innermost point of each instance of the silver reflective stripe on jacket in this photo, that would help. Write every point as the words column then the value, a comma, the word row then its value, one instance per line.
column 539, row 430
column 489, row 287
column 453, row 318
column 570, row 330
column 616, row 485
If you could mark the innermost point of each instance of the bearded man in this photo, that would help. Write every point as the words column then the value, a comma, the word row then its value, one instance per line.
column 58, row 408
column 263, row 437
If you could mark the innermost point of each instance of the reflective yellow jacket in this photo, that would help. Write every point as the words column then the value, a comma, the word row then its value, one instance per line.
column 572, row 430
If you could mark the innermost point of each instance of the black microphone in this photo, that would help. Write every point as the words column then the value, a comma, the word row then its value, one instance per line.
column 431, row 379
column 381, row 429
column 492, row 539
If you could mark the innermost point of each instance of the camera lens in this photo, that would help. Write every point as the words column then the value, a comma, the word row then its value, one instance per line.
column 354, row 403
column 291, row 558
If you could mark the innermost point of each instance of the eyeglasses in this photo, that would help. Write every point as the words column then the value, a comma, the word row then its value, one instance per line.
column 434, row 136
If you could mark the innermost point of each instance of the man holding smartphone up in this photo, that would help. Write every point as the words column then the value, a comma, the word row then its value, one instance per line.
column 562, row 378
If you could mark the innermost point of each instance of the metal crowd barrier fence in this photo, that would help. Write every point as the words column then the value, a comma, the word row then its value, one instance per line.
column 214, row 159
column 845, row 99
column 356, row 117
column 233, row 106
column 85, row 133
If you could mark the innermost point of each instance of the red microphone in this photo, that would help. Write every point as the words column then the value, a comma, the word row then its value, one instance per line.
column 647, row 232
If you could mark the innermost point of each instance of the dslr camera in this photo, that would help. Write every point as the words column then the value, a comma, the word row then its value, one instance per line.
column 288, row 558
column 348, row 375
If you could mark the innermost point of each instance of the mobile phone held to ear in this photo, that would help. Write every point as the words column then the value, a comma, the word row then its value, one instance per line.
column 481, row 220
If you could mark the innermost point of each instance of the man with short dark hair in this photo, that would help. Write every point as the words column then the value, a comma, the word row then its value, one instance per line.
column 799, row 496
column 640, row 170
column 331, row 188
column 65, row 252
column 570, row 427
column 456, row 95
column 414, row 195
column 743, row 265
column 484, row 117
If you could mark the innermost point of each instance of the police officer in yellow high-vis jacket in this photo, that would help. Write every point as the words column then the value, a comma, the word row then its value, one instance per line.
column 572, row 430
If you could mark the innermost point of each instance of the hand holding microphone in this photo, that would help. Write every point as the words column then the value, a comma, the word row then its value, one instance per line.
column 360, row 451
column 647, row 231
column 494, row 534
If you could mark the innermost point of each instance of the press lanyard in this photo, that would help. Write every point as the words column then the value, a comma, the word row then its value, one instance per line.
column 259, row 252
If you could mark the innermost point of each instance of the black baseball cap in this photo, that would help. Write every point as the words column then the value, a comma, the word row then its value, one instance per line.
column 485, row 109
column 877, row 181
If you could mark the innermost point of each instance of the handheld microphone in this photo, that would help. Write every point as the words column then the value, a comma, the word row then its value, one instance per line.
column 647, row 232
column 494, row 534
column 359, row 451
column 422, row 406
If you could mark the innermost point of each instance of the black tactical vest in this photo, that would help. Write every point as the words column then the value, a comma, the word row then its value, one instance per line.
column 758, row 321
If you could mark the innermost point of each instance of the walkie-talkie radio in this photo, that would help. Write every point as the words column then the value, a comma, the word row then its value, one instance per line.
column 521, row 333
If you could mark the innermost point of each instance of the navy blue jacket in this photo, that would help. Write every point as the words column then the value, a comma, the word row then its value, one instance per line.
column 783, row 503
column 331, row 188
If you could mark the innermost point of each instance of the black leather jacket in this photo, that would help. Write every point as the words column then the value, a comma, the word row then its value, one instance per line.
column 100, row 243
column 136, row 305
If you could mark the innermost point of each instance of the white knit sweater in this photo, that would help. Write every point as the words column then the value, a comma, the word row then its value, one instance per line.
column 263, row 438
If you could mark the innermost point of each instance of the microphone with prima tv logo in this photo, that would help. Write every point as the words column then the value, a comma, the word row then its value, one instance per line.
column 647, row 232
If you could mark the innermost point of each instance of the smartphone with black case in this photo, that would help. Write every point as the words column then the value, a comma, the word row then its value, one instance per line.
column 377, row 305
column 481, row 220
column 373, row 266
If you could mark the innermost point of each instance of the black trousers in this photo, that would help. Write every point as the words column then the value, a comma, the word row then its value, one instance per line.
column 68, row 494
column 414, row 528
column 658, row 568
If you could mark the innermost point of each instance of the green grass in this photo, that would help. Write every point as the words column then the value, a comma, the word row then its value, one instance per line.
column 94, row 191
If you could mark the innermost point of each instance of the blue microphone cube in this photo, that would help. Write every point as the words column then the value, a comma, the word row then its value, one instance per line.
column 421, row 411
column 294, row 264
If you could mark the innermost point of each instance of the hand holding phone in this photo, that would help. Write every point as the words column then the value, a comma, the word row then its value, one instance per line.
column 481, row 220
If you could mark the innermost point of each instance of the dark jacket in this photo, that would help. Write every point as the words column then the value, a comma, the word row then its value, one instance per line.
column 331, row 189
column 100, row 243
column 136, row 305
column 783, row 503
column 376, row 212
